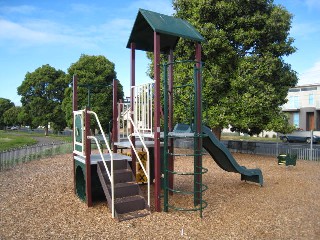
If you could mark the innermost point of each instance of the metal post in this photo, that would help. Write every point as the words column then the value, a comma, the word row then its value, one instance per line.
column 157, row 106
column 170, row 119
column 311, row 146
column 132, row 83
column 277, row 145
column 166, row 153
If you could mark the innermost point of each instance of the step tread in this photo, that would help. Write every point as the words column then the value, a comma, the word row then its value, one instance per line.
column 118, row 171
column 134, row 214
column 128, row 199
column 124, row 184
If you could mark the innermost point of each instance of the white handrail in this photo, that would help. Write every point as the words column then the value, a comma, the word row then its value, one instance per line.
column 111, row 176
column 98, row 145
column 147, row 173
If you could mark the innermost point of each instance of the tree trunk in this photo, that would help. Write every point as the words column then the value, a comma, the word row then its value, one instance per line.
column 217, row 132
column 46, row 131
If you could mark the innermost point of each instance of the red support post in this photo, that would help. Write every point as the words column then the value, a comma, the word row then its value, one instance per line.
column 132, row 84
column 115, row 115
column 199, row 120
column 170, row 120
column 87, row 158
column 74, row 108
column 157, row 166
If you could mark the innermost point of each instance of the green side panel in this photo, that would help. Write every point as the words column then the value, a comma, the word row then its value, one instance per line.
column 78, row 147
column 80, row 169
column 78, row 128
column 96, row 188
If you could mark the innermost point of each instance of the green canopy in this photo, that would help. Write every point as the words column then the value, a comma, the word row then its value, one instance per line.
column 170, row 29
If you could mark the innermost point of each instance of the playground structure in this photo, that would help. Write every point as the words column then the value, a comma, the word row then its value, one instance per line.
column 115, row 174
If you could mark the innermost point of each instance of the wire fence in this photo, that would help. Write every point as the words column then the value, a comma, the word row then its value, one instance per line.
column 303, row 151
column 11, row 158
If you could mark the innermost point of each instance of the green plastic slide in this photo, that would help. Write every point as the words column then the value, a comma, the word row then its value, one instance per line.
column 222, row 156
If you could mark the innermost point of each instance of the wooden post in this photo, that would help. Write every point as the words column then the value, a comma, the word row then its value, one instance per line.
column 74, row 108
column 157, row 166
column 132, row 84
column 115, row 115
column 87, row 158
column 198, row 177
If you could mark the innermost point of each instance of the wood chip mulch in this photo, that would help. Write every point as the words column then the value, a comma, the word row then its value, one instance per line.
column 37, row 202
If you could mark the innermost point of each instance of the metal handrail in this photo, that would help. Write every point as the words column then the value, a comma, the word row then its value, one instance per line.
column 147, row 173
column 111, row 176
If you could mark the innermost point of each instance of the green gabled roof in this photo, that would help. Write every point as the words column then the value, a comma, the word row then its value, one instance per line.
column 170, row 29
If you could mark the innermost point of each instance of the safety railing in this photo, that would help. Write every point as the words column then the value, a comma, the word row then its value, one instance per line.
column 146, row 171
column 110, row 175
column 143, row 108
column 124, row 112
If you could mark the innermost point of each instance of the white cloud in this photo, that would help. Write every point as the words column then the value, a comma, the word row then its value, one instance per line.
column 48, row 30
column 22, row 9
column 310, row 76
column 41, row 32
column 14, row 31
column 304, row 30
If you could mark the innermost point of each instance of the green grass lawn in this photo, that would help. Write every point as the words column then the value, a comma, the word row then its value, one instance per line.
column 248, row 138
column 10, row 140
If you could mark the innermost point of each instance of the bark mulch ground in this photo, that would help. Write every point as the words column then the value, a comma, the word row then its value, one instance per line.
column 37, row 202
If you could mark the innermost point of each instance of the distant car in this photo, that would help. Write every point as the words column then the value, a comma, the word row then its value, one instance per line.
column 302, row 139
column 14, row 128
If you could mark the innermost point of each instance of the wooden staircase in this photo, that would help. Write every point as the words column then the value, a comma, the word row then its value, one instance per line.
column 129, row 202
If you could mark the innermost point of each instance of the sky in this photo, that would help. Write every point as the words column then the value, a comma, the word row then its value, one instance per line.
column 38, row 32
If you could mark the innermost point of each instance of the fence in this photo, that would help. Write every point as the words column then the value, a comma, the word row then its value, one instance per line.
column 303, row 151
column 10, row 158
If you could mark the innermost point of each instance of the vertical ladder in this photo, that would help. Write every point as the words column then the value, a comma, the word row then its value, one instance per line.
column 196, row 134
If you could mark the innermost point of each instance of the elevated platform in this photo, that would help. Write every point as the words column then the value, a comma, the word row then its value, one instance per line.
column 170, row 134
column 126, row 144
column 94, row 158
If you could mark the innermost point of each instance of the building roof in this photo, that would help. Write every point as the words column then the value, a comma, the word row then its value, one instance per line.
column 170, row 28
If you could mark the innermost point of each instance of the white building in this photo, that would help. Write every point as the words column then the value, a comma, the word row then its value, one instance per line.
column 303, row 107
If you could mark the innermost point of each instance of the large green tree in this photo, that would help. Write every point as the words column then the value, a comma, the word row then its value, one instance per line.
column 5, row 104
column 245, row 76
column 42, row 93
column 11, row 116
column 96, row 74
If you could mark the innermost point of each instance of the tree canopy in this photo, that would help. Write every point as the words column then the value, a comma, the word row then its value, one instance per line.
column 5, row 104
column 245, row 76
column 42, row 93
column 97, row 74
column 11, row 116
